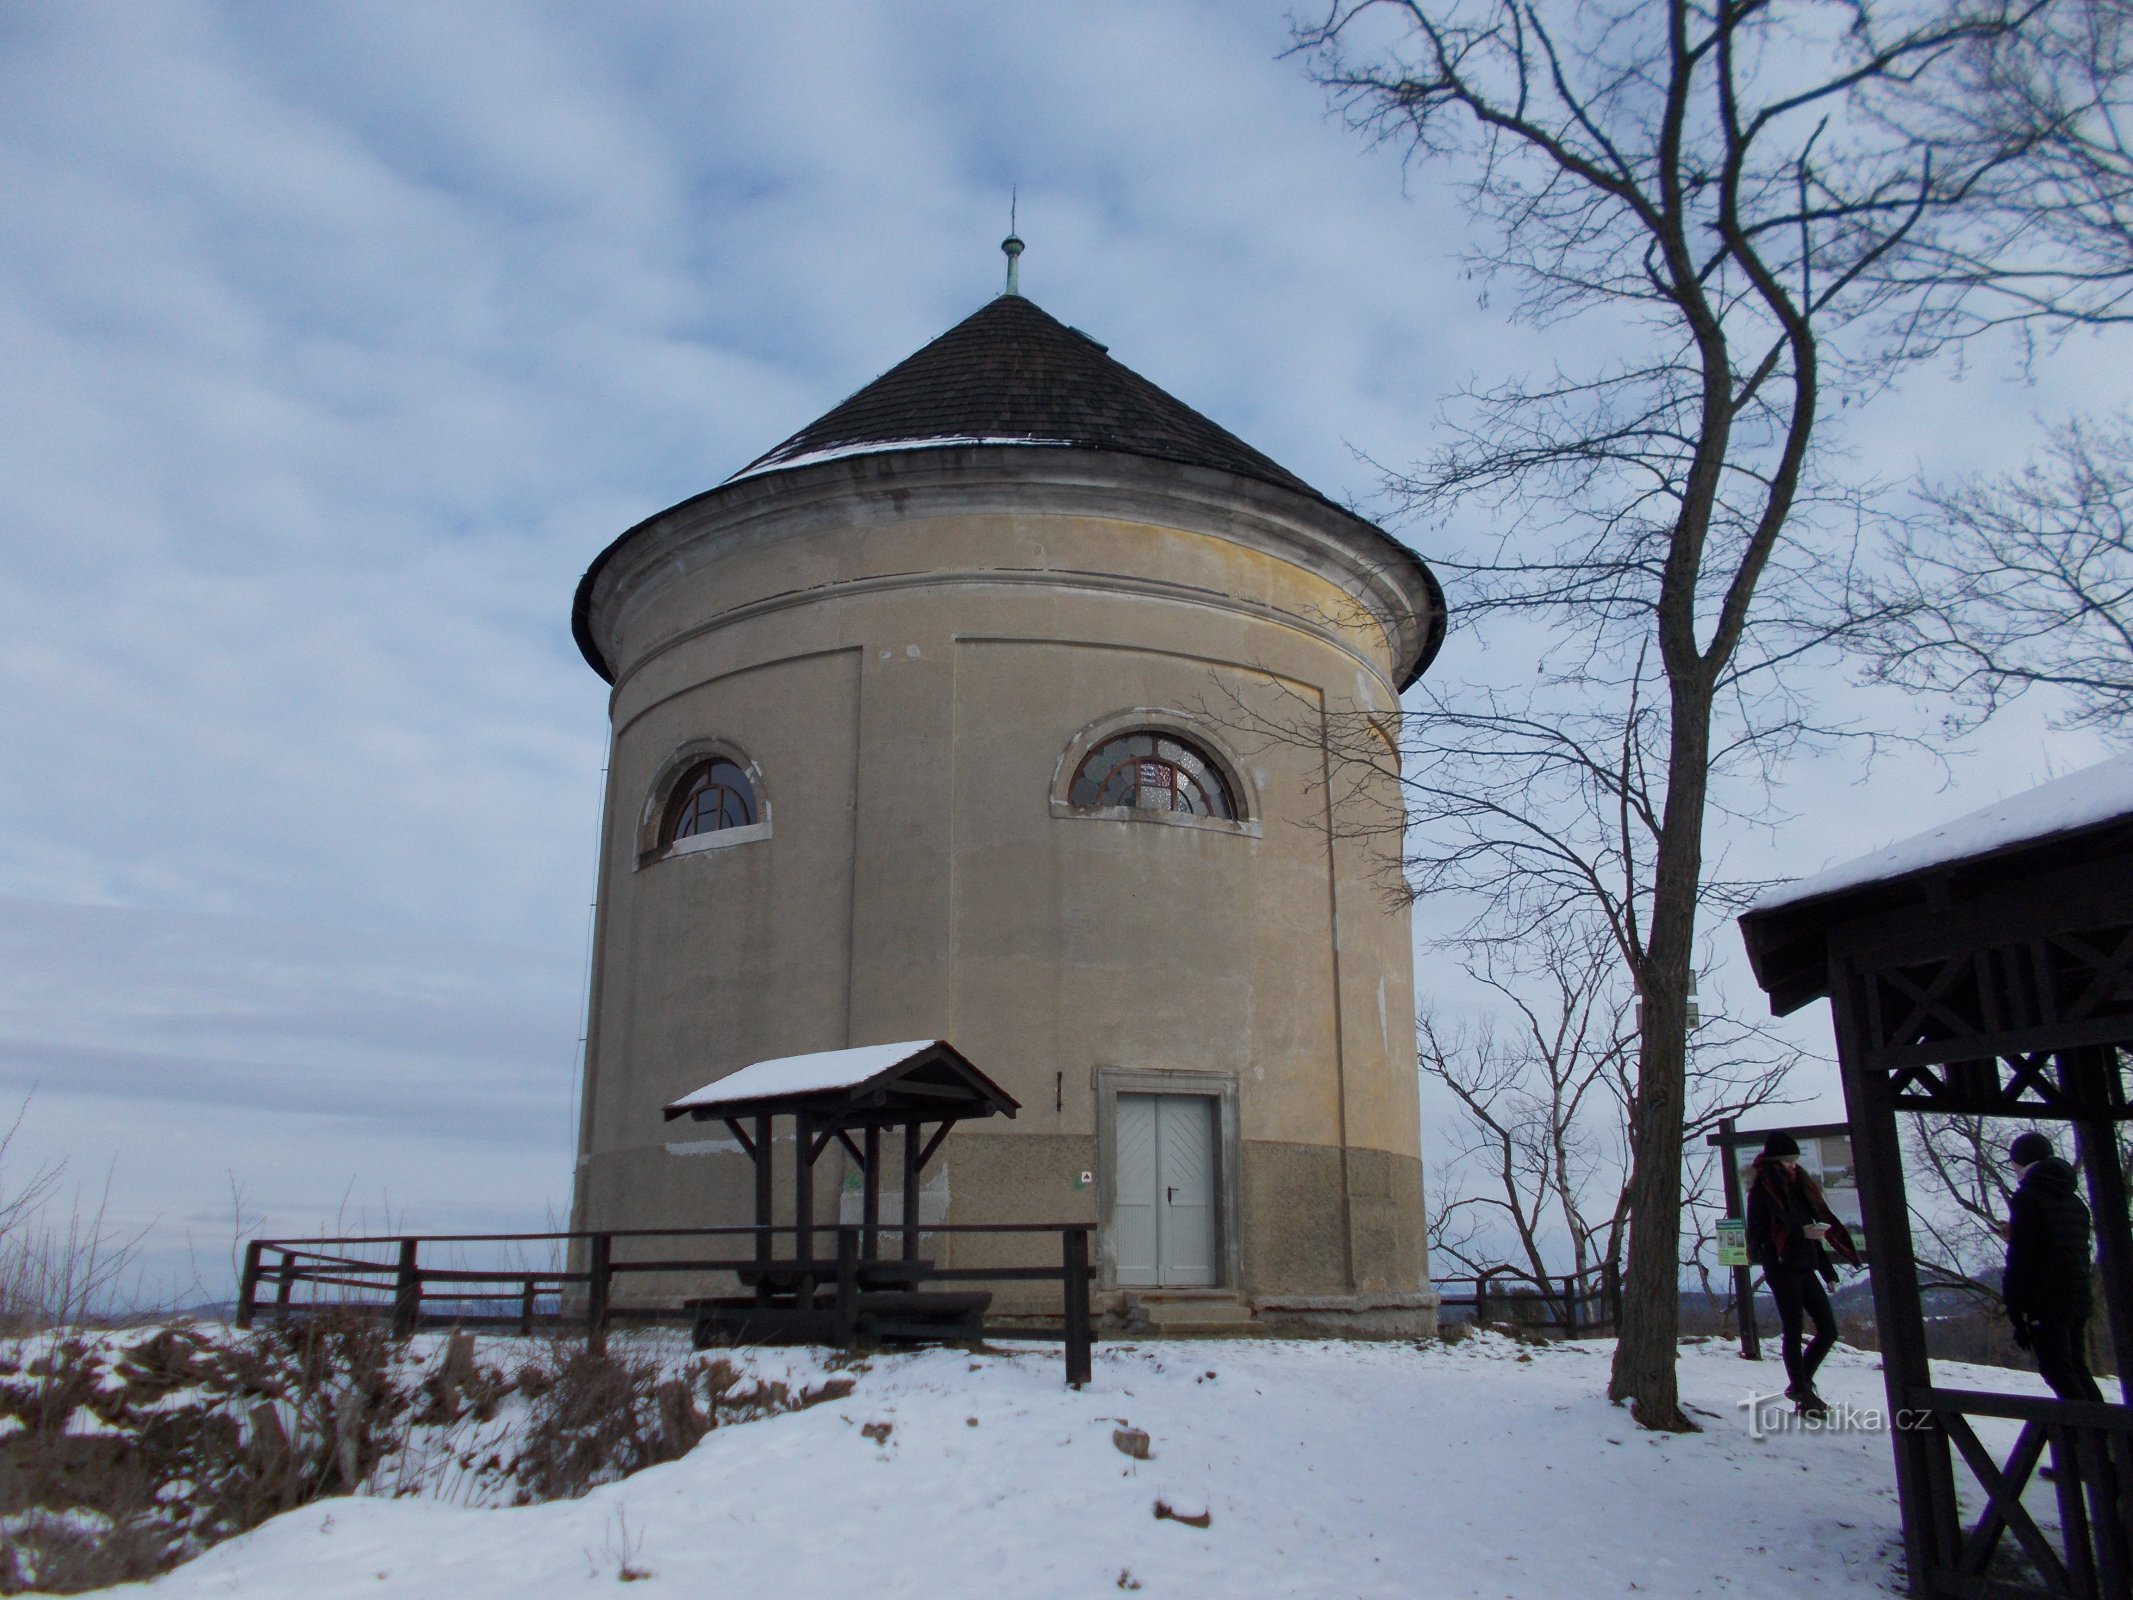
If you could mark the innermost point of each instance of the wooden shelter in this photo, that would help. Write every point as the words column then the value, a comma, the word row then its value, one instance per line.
column 1986, row 968
column 833, row 1095
column 853, row 1297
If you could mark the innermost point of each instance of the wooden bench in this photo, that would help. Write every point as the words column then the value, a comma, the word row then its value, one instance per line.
column 877, row 1316
column 785, row 1276
column 918, row 1314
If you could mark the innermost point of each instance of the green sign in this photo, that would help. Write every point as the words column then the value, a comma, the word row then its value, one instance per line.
column 1732, row 1242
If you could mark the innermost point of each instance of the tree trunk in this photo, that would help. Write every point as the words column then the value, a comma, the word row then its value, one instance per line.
column 1651, row 1292
column 1646, row 1349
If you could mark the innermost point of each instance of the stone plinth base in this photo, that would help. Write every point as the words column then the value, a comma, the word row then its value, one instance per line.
column 1350, row 1316
column 1218, row 1313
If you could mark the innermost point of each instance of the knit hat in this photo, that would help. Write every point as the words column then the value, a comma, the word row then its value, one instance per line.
column 1781, row 1144
column 2029, row 1147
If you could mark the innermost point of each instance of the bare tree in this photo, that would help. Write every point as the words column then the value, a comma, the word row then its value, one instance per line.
column 1702, row 192
column 55, row 1272
column 1963, row 1184
column 2002, row 585
column 21, row 1201
column 1544, row 1150
column 2044, row 240
column 1960, row 1161
column 1541, row 1104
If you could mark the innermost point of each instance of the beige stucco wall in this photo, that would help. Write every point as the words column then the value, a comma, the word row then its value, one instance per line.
column 911, row 650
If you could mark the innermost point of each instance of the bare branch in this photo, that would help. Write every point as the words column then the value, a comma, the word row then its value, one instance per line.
column 1998, row 586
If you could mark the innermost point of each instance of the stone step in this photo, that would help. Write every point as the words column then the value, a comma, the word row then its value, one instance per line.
column 1193, row 1316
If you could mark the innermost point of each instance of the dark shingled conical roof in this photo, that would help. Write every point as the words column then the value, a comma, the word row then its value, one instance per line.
column 1010, row 373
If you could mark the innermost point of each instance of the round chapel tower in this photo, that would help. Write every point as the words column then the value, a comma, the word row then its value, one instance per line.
column 948, row 718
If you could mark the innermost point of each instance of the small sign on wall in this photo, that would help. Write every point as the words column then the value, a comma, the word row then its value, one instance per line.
column 1084, row 1180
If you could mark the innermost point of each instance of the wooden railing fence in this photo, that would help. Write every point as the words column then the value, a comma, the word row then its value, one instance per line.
column 2089, row 1554
column 1574, row 1304
column 387, row 1275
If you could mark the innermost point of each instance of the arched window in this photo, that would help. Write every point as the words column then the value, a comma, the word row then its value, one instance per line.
column 711, row 796
column 1150, row 771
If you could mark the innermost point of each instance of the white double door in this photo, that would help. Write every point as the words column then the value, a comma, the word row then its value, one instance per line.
column 1164, row 1214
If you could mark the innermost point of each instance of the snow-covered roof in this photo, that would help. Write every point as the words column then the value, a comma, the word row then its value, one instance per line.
column 819, row 1073
column 2084, row 799
column 875, row 447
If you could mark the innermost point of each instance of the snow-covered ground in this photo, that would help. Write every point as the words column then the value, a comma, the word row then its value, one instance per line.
column 1324, row 1470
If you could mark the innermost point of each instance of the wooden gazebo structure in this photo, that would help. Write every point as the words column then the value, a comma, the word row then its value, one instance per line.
column 833, row 1095
column 853, row 1296
column 1985, row 968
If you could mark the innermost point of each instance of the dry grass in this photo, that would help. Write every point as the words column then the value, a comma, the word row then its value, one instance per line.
column 597, row 1418
column 121, row 1454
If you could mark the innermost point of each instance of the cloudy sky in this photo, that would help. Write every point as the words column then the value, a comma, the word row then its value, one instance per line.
column 336, row 339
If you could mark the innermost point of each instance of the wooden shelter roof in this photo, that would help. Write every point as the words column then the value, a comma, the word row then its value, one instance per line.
column 2082, row 820
column 924, row 1079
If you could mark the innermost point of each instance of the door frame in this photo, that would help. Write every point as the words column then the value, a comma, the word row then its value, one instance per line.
column 1221, row 1087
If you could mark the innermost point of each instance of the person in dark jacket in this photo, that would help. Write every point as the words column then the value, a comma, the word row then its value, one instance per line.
column 1790, row 1233
column 2046, row 1285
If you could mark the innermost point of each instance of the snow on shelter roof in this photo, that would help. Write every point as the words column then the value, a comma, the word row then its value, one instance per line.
column 820, row 1073
column 875, row 1085
column 2076, row 829
column 2085, row 799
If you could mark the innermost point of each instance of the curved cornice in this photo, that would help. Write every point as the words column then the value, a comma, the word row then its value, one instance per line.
column 1387, row 579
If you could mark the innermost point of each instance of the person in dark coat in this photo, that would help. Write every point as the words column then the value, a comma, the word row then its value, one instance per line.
column 2046, row 1285
column 1791, row 1231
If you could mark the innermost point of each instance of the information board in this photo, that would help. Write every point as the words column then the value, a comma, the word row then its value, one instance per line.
column 1733, row 1242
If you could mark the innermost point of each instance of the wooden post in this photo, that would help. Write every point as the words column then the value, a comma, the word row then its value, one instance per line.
column 1074, row 1259
column 525, row 1309
column 870, row 1203
column 1570, row 1306
column 2096, row 1148
column 248, row 1285
column 285, row 1284
column 847, row 1283
column 765, row 1177
column 407, row 1292
column 1751, row 1337
column 803, row 1202
column 599, row 1262
column 911, row 1190
column 1481, row 1298
column 1925, row 1478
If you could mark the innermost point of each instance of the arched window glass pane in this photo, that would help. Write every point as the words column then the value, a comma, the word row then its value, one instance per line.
column 710, row 797
column 1152, row 772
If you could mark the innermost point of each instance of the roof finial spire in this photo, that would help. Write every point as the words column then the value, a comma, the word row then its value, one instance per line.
column 1012, row 246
